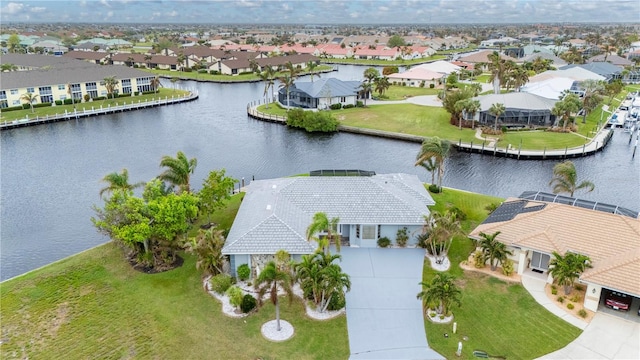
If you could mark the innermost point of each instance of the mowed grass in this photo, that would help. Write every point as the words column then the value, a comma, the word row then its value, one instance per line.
column 497, row 317
column 397, row 92
column 94, row 305
column 374, row 62
column 162, row 93
column 225, row 78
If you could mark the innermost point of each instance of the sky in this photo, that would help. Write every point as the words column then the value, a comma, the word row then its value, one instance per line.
column 320, row 11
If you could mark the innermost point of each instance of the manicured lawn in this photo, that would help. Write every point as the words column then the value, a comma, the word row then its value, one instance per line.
column 483, row 78
column 406, row 119
column 222, row 78
column 60, row 109
column 540, row 140
column 274, row 109
column 383, row 62
column 397, row 92
column 499, row 318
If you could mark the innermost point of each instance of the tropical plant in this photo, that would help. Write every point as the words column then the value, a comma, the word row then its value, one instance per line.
column 593, row 91
column 383, row 242
column 8, row 67
column 321, row 279
column 497, row 110
column 468, row 107
column 442, row 291
column 118, row 181
column 178, row 170
column 207, row 246
column 567, row 268
column 442, row 228
column 111, row 84
column 248, row 303
column 243, row 272
column 565, row 179
column 381, row 85
column 402, row 237
column 613, row 88
column 220, row 283
column 271, row 279
column 286, row 82
column 493, row 250
column 431, row 166
column 147, row 59
column 235, row 295
column 29, row 98
column 267, row 76
column 568, row 104
column 435, row 148
column 518, row 77
column 155, row 83
column 216, row 190
column 311, row 66
column 500, row 70
column 365, row 88
column 322, row 224
column 371, row 74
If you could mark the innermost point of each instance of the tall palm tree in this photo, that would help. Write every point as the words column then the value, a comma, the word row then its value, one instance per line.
column 431, row 166
column 118, row 181
column 148, row 58
column 271, row 279
column 568, row 268
column 286, row 82
column 569, row 104
column 442, row 291
column 497, row 110
column 334, row 281
column 518, row 78
column 381, row 84
column 29, row 98
column 322, row 223
column 565, row 179
column 371, row 74
column 593, row 91
column 493, row 250
column 499, row 69
column 155, row 84
column 179, row 170
column 435, row 148
column 70, row 92
column 311, row 66
column 365, row 88
column 267, row 76
column 468, row 107
column 111, row 84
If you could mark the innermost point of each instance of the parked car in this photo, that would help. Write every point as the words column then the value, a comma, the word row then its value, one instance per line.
column 618, row 301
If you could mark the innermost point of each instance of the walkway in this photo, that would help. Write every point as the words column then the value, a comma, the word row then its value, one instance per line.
column 384, row 318
column 605, row 337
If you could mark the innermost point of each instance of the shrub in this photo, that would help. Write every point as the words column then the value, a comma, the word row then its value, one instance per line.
column 337, row 301
column 99, row 98
column 422, row 83
column 560, row 299
column 86, row 97
column 507, row 267
column 214, row 72
column 478, row 259
column 402, row 237
column 337, row 106
column 434, row 188
column 26, row 106
column 384, row 242
column 582, row 313
column 248, row 303
column 124, row 95
column 148, row 92
column 359, row 103
column 189, row 70
column 579, row 287
column 554, row 291
column 235, row 296
column 135, row 93
column 491, row 207
column 570, row 306
column 12, row 108
column 220, row 283
column 431, row 86
column 47, row 104
column 68, row 101
column 243, row 272
column 575, row 298
column 504, row 129
column 58, row 102
column 388, row 70
column 423, row 240
column 135, row 66
column 458, row 213
column 348, row 106
column 246, row 73
column 311, row 121
column 202, row 71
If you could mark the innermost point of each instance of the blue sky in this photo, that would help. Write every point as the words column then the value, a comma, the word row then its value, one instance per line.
column 321, row 11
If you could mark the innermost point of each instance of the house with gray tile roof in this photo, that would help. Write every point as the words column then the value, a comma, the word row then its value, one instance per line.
column 275, row 213
column 321, row 94
column 522, row 109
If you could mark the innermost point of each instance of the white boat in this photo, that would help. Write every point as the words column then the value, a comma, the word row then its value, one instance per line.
column 617, row 119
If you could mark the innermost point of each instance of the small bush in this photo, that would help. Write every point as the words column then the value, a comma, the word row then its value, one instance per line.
column 570, row 306
column 504, row 129
column 491, row 207
column 402, row 237
column 86, row 97
column 337, row 106
column 26, row 106
column 243, row 272
column 214, row 72
column 478, row 259
column 458, row 213
column 384, row 242
column 99, row 98
column 554, row 291
column 422, row 83
column 579, row 287
column 248, row 303
column 575, row 298
column 135, row 93
column 124, row 95
column 434, row 189
column 220, row 283
column 348, row 106
column 311, row 121
column 189, row 70
column 337, row 301
column 47, row 104
column 135, row 66
column 235, row 296
column 148, row 92
column 582, row 313
column 560, row 299
column 431, row 86
column 58, row 102
column 202, row 71
column 423, row 240
column 12, row 108
column 68, row 101
column 507, row 267
column 359, row 103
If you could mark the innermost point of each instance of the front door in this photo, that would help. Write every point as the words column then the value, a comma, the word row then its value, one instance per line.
column 540, row 261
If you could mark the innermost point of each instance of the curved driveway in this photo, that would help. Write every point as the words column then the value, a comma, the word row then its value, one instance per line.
column 384, row 318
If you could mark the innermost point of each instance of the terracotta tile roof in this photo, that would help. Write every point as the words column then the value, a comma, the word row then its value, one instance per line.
column 611, row 241
column 482, row 56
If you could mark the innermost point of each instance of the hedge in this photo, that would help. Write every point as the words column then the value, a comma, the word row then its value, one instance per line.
column 12, row 108
column 47, row 104
column 312, row 121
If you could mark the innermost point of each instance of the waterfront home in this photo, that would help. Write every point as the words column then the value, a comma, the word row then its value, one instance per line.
column 522, row 109
column 537, row 224
column 320, row 94
column 275, row 213
column 95, row 57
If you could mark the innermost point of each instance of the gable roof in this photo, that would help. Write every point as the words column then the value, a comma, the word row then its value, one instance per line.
column 611, row 241
column 440, row 66
column 612, row 58
column 517, row 100
column 328, row 87
column 483, row 57
column 417, row 74
column 275, row 213
column 601, row 68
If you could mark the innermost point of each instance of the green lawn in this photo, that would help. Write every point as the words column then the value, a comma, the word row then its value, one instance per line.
column 223, row 78
column 383, row 62
column 483, row 79
column 274, row 109
column 93, row 305
column 7, row 116
column 397, row 92
column 499, row 318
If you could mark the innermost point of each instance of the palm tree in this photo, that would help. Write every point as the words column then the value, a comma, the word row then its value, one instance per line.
column 563, row 109
column 271, row 279
column 431, row 166
column 311, row 66
column 593, row 91
column 381, row 84
column 568, row 268
column 442, row 290
column 436, row 148
column 497, row 110
column 493, row 250
column 371, row 74
column 322, row 223
column 334, row 281
column 155, row 84
column 207, row 246
column 565, row 179
column 287, row 82
column 468, row 107
column 111, row 84
column 518, row 78
column 267, row 76
column 70, row 92
column 118, row 181
column 174, row 80
column 29, row 98
column 148, row 58
column 499, row 69
column 365, row 88
column 442, row 227
column 179, row 170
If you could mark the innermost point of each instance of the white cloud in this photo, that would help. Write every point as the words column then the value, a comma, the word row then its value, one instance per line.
column 105, row 3
column 38, row 9
column 12, row 8
column 110, row 14
column 173, row 13
column 383, row 8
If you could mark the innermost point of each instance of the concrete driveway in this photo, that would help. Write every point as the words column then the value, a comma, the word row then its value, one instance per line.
column 606, row 337
column 384, row 318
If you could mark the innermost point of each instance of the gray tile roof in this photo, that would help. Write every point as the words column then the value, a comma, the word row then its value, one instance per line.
column 601, row 68
column 275, row 213
column 517, row 100
column 60, row 70
column 329, row 87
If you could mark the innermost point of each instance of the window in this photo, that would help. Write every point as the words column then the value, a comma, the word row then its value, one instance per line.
column 62, row 87
column 3, row 99
column 14, row 91
column 16, row 102
column 343, row 99
column 126, row 86
column 30, row 90
column 368, row 232
column 45, row 94
column 92, row 89
column 144, row 84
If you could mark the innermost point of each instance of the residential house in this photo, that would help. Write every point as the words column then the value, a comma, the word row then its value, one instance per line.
column 536, row 225
column 379, row 52
column 608, row 71
column 522, row 109
column 320, row 94
column 275, row 213
column 239, row 66
column 483, row 57
column 90, row 56
column 612, row 59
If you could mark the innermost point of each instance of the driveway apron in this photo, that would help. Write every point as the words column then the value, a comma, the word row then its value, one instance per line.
column 384, row 318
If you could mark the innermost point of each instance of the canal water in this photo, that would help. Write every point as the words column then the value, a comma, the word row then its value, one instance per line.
column 50, row 174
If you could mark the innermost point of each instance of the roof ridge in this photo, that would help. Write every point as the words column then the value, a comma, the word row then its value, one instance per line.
column 248, row 231
column 614, row 261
